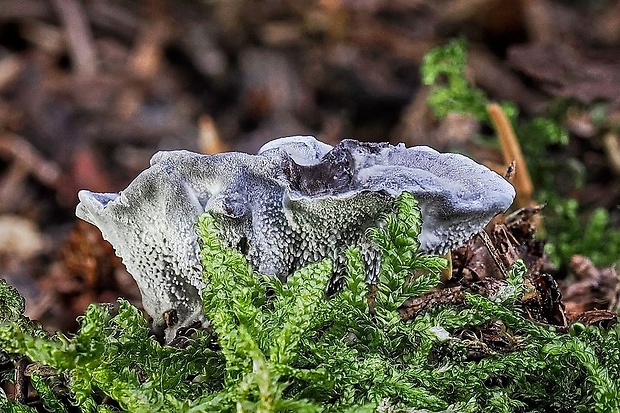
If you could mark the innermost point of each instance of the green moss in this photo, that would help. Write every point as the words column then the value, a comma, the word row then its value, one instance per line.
column 570, row 235
column 285, row 347
column 444, row 69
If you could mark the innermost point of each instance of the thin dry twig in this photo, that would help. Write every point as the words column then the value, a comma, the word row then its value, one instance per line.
column 511, row 151
column 33, row 9
column 21, row 151
column 493, row 252
column 25, row 160
column 11, row 185
column 9, row 69
column 611, row 143
column 462, row 10
column 147, row 55
column 209, row 139
column 21, row 382
column 539, row 20
column 47, row 37
column 79, row 36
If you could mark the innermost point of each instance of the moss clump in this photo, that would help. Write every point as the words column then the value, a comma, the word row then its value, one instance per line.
column 571, row 235
column 276, row 346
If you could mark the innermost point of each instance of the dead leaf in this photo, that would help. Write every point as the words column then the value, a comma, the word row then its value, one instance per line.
column 565, row 72
column 592, row 288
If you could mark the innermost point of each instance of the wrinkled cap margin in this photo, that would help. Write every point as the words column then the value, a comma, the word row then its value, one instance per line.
column 297, row 201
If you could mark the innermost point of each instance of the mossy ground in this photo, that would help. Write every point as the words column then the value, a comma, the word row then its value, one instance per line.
column 276, row 346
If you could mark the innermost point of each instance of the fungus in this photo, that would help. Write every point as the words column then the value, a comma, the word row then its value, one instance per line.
column 298, row 201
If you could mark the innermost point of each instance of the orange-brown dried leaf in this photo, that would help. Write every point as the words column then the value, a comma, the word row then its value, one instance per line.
column 90, row 259
column 602, row 318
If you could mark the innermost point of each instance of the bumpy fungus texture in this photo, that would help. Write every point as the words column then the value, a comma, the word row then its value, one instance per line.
column 298, row 201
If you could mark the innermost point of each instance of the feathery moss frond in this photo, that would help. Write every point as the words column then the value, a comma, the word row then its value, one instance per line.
column 398, row 242
column 281, row 347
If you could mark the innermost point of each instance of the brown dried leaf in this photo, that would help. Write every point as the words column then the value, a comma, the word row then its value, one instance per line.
column 602, row 318
column 592, row 288
column 90, row 259
column 447, row 296
column 481, row 265
column 543, row 302
column 563, row 71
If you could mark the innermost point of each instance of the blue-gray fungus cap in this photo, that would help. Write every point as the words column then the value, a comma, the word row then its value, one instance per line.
column 298, row 201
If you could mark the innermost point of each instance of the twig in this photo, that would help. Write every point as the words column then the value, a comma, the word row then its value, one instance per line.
column 336, row 19
column 540, row 21
column 10, row 67
column 21, row 151
column 47, row 37
column 21, row 381
column 457, row 11
column 23, row 9
column 11, row 185
column 79, row 36
column 511, row 151
column 495, row 255
column 209, row 140
column 25, row 160
column 611, row 143
column 147, row 56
